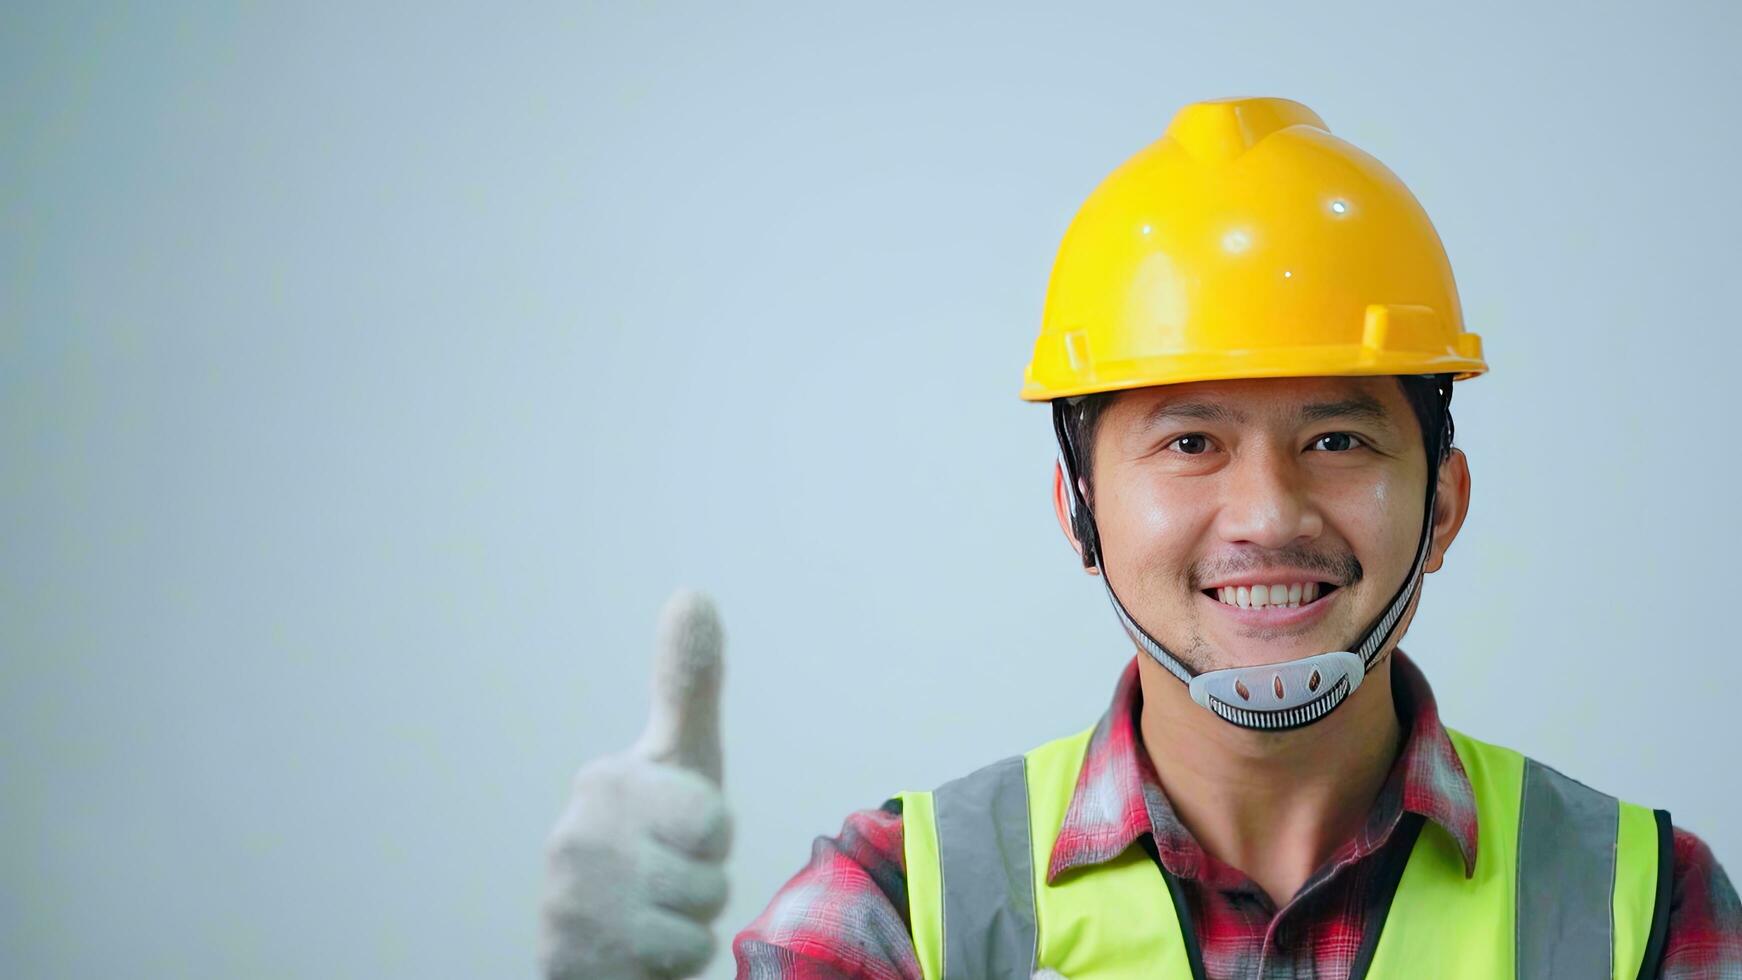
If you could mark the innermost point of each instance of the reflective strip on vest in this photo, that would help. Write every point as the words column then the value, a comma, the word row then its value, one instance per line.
column 988, row 878
column 1566, row 883
column 1566, row 866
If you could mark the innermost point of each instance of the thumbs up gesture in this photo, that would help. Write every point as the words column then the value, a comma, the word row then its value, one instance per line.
column 634, row 872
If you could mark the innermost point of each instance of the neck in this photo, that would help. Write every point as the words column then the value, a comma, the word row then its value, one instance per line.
column 1275, row 805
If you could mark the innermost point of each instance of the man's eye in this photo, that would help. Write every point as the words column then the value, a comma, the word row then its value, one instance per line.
column 1336, row 442
column 1193, row 444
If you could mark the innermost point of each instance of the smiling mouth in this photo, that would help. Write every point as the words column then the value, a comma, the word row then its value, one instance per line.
column 1284, row 595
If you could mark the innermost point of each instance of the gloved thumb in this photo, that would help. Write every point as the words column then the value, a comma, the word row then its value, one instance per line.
column 683, row 724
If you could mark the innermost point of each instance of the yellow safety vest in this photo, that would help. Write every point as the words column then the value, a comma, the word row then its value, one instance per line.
column 1568, row 882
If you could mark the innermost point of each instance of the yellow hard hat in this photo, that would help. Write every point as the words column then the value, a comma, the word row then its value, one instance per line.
column 1248, row 242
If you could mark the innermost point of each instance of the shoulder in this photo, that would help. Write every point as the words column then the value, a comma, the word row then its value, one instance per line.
column 871, row 839
column 844, row 913
column 867, row 853
column 1705, row 918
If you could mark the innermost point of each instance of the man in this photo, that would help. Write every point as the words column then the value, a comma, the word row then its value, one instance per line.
column 1249, row 345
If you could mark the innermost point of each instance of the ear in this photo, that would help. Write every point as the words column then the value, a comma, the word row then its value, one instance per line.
column 1451, row 505
column 1062, row 508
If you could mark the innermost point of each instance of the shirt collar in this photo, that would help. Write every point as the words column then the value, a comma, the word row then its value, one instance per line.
column 1118, row 796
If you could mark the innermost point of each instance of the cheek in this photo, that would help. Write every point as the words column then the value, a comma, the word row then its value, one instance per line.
column 1144, row 523
column 1383, row 522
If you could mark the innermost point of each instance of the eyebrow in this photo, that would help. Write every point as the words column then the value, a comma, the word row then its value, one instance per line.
column 1364, row 408
column 1196, row 411
column 1360, row 407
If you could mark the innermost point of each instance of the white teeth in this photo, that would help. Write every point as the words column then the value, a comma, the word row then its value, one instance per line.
column 1288, row 596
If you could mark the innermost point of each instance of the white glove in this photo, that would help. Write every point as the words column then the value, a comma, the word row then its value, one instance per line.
column 635, row 864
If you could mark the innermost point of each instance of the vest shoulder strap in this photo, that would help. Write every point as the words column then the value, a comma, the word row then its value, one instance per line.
column 1565, row 883
column 975, row 832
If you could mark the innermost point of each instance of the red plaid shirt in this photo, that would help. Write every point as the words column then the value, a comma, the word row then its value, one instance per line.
column 845, row 914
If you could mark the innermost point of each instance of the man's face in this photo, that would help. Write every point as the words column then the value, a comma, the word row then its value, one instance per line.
column 1253, row 521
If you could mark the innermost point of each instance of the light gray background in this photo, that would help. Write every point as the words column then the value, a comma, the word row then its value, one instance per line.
column 369, row 376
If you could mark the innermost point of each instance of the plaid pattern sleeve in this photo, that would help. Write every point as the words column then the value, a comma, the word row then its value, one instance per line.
column 1705, row 919
column 844, row 915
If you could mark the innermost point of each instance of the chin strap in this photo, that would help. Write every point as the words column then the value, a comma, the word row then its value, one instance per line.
column 1278, row 696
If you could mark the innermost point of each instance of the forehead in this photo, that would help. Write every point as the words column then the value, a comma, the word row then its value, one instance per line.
column 1380, row 399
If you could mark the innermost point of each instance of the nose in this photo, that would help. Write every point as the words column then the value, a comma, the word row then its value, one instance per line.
column 1265, row 502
